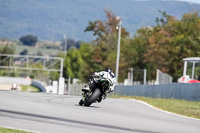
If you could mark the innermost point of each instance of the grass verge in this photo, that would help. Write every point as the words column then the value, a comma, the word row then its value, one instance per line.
column 182, row 107
column 7, row 130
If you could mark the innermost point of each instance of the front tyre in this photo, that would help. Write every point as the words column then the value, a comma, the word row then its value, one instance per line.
column 81, row 102
column 93, row 97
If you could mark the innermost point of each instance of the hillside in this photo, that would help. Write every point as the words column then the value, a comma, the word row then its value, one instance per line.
column 50, row 19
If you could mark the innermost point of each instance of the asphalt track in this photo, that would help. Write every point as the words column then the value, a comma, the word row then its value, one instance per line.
column 49, row 113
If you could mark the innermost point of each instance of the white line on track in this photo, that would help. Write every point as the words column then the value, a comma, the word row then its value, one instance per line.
column 164, row 110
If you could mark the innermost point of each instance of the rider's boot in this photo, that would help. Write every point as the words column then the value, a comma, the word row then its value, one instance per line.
column 99, row 99
column 104, row 96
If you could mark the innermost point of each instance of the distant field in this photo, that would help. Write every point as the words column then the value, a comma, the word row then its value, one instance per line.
column 35, row 50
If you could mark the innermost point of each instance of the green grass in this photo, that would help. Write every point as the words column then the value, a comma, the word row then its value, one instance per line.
column 29, row 88
column 182, row 107
column 7, row 130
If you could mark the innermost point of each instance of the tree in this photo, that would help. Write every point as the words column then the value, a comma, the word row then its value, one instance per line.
column 102, row 29
column 162, row 46
column 71, row 44
column 106, row 42
column 29, row 40
column 171, row 41
column 88, row 67
column 73, row 63
column 6, row 49
column 24, row 52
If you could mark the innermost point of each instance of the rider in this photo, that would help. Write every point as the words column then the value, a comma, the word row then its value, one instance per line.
column 108, row 74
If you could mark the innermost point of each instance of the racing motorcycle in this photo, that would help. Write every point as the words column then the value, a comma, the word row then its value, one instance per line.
column 99, row 87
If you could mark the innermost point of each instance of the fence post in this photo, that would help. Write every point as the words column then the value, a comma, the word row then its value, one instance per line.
column 157, row 77
column 193, row 69
column 131, row 76
column 145, row 76
column 185, row 68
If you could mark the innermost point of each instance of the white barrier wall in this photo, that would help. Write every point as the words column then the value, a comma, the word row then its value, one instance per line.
column 22, row 81
column 17, row 80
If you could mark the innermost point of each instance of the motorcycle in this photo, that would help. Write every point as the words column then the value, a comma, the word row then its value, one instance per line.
column 99, row 87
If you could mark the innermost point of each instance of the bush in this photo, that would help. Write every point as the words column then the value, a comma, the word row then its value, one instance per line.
column 29, row 40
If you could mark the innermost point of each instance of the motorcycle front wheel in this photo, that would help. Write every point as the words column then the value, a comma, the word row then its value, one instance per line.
column 81, row 102
column 92, row 98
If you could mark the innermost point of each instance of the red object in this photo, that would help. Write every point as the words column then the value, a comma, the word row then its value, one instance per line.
column 193, row 81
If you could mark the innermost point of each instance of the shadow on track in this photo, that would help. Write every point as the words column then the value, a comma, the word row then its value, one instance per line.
column 87, row 106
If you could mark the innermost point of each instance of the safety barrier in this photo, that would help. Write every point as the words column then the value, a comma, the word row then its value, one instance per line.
column 16, row 80
column 23, row 81
column 174, row 90
column 38, row 85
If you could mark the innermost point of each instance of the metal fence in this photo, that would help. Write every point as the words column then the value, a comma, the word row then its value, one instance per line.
column 30, row 63
column 163, row 78
column 75, row 89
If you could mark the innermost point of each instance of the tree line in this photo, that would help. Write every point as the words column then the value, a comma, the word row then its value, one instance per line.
column 162, row 46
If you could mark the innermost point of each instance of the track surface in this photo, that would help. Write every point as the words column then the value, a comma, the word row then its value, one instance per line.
column 50, row 113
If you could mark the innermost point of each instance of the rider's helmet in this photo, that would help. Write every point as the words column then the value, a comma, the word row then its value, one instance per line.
column 108, row 70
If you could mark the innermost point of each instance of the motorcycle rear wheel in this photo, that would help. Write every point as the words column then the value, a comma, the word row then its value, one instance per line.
column 92, row 98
